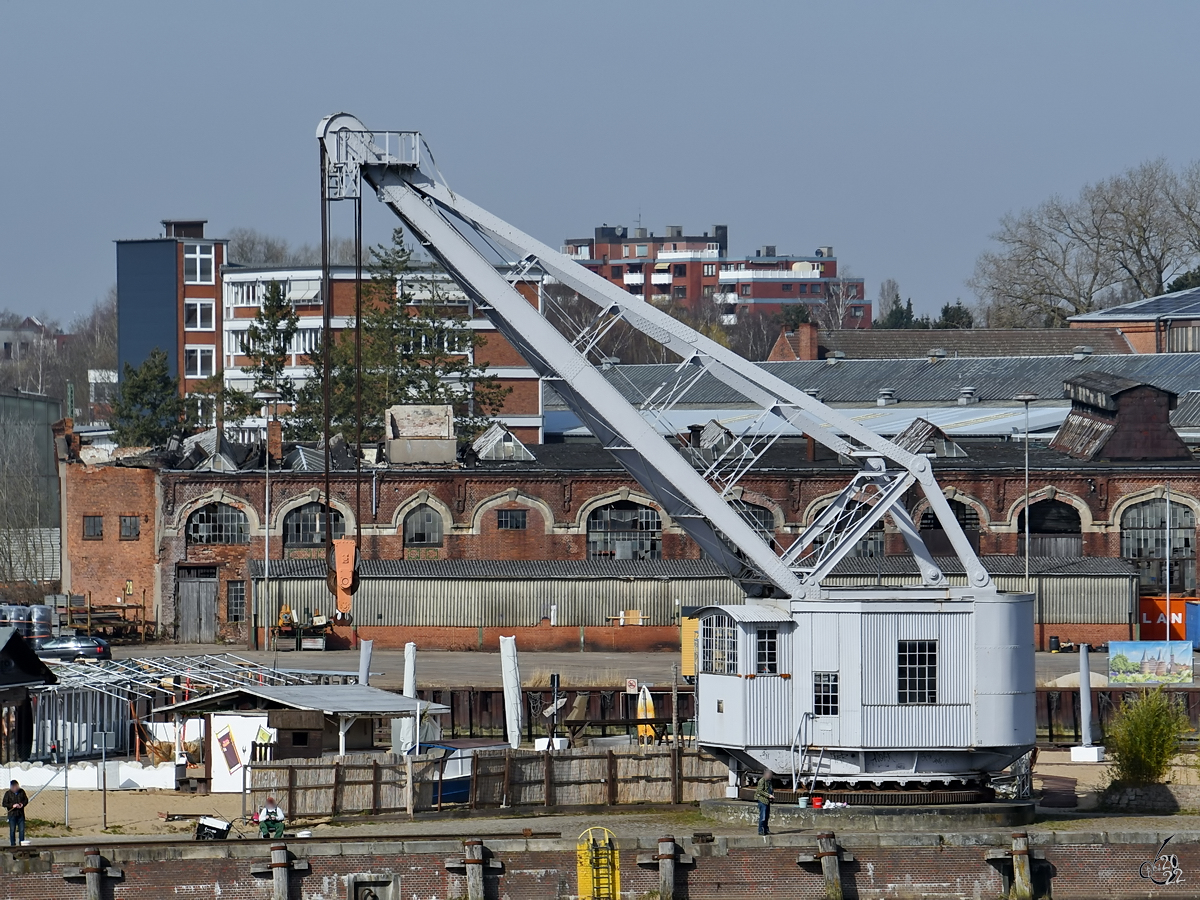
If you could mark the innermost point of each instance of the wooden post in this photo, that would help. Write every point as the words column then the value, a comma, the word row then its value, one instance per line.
column 89, row 613
column 675, row 705
column 442, row 779
column 473, row 860
column 409, row 793
column 1022, row 887
column 548, row 778
column 291, row 791
column 476, row 774
column 279, row 870
column 666, row 867
column 143, row 615
column 827, row 853
column 337, row 770
column 676, row 774
column 93, row 872
column 612, row 778
column 375, row 786
column 504, row 798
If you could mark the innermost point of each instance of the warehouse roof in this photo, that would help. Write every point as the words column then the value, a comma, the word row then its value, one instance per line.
column 913, row 343
column 1177, row 305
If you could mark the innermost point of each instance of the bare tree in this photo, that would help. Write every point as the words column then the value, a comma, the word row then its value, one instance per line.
column 251, row 247
column 831, row 315
column 1121, row 239
column 754, row 334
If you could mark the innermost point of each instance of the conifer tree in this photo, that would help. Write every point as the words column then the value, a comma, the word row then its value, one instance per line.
column 413, row 352
column 148, row 409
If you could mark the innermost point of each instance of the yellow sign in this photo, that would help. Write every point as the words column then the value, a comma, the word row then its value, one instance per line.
column 597, row 865
column 128, row 587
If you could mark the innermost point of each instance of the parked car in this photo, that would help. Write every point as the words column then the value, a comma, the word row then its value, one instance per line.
column 69, row 649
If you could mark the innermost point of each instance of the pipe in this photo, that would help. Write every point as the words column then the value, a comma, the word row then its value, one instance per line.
column 1085, row 695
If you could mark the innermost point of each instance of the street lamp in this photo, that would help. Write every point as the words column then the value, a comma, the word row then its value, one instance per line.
column 269, row 398
column 1026, row 398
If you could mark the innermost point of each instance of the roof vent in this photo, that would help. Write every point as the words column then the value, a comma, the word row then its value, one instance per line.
column 639, row 233
column 887, row 397
column 966, row 396
column 937, row 353
column 834, row 357
column 1081, row 351
column 814, row 393
column 674, row 231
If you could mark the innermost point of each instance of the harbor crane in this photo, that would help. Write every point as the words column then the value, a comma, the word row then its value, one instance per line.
column 866, row 687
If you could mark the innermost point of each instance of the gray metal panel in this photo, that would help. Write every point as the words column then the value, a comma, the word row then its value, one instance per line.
column 956, row 655
column 769, row 708
column 147, row 302
column 881, row 632
column 825, row 642
column 917, row 726
column 421, row 602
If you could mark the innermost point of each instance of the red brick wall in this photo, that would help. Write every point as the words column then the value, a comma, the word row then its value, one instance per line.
column 1081, row 634
column 954, row 868
column 566, row 638
column 101, row 568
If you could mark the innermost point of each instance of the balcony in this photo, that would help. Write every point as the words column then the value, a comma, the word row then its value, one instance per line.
column 577, row 253
column 684, row 255
column 728, row 297
column 634, row 278
column 729, row 276
column 660, row 278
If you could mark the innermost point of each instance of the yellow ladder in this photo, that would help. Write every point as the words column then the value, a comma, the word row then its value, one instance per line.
column 598, row 866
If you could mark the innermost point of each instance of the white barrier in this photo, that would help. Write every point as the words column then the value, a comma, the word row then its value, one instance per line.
column 85, row 776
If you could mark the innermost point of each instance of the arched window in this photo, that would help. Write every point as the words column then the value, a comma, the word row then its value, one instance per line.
column 934, row 535
column 218, row 523
column 869, row 545
column 1054, row 529
column 761, row 519
column 1144, row 539
column 305, row 526
column 423, row 527
column 624, row 530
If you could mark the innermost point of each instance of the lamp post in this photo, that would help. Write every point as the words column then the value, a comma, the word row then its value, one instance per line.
column 1026, row 398
column 270, row 398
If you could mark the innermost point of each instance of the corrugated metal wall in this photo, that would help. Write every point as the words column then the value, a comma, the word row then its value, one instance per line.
column 917, row 726
column 428, row 602
column 770, row 698
column 1060, row 599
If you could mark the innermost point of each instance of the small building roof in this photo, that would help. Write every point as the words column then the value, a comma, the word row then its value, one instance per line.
column 1177, row 305
column 349, row 700
column 19, row 664
column 751, row 612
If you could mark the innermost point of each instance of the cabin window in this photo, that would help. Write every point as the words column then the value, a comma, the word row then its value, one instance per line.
column 916, row 672
column 825, row 693
column 767, row 651
column 718, row 645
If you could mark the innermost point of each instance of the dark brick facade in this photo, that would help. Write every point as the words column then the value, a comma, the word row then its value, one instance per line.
column 952, row 866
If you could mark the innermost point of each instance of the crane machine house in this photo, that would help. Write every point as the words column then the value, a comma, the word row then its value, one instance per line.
column 930, row 685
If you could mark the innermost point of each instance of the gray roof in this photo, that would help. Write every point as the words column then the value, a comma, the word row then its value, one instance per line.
column 749, row 612
column 331, row 699
column 996, row 565
column 1187, row 413
column 912, row 343
column 1179, row 305
column 508, row 569
column 921, row 381
column 546, row 569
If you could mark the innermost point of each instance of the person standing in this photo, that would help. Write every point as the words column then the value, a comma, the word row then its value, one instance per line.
column 764, row 795
column 15, row 801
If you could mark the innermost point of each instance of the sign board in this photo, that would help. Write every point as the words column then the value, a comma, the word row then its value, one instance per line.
column 104, row 740
column 1152, row 619
column 1150, row 662
column 631, row 686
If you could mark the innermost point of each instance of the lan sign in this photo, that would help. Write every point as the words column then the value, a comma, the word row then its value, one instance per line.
column 1150, row 662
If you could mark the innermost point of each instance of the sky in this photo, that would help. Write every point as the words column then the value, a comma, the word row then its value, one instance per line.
column 897, row 133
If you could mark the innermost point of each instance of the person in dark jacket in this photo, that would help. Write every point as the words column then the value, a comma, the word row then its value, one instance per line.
column 15, row 801
column 764, row 794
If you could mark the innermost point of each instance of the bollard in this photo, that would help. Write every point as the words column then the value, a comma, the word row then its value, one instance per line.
column 93, row 872
column 1022, row 886
column 279, row 871
column 666, row 867
column 827, row 853
column 473, row 861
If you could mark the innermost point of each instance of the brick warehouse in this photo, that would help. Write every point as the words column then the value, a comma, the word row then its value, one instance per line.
column 572, row 502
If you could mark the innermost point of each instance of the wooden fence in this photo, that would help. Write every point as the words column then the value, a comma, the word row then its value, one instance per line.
column 379, row 783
